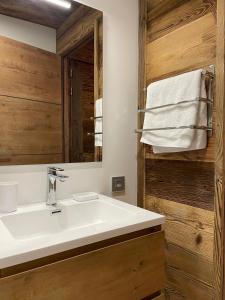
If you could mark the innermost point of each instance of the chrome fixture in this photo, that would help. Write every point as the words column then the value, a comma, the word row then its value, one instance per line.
column 53, row 176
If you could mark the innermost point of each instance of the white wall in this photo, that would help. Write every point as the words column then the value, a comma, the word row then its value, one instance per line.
column 29, row 33
column 120, row 115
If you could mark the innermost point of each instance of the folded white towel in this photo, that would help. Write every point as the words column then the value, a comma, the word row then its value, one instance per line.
column 186, row 87
column 98, row 123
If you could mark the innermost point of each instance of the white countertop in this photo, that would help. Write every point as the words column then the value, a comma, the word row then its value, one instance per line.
column 33, row 232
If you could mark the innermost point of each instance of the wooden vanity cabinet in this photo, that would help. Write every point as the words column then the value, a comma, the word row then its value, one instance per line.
column 124, row 269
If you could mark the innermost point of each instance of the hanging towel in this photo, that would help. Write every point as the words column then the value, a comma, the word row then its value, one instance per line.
column 98, row 123
column 186, row 87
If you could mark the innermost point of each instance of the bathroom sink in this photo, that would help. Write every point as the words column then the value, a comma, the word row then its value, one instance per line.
column 40, row 222
column 33, row 231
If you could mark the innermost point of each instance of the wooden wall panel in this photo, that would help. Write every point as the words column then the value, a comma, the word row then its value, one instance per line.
column 180, row 37
column 30, row 105
column 37, row 159
column 28, row 72
column 189, row 234
column 178, row 17
column 29, row 127
column 181, row 181
column 189, row 47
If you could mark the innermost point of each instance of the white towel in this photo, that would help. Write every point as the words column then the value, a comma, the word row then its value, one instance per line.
column 98, row 123
column 186, row 87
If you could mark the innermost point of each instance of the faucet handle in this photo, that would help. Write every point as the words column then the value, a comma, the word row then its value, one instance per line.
column 54, row 170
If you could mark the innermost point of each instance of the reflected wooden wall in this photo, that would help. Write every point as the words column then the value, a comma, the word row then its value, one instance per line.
column 30, row 105
column 175, row 37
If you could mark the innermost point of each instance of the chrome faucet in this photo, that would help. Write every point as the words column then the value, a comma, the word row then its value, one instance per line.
column 53, row 176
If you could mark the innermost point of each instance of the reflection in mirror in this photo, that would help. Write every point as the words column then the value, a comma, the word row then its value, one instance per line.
column 51, row 82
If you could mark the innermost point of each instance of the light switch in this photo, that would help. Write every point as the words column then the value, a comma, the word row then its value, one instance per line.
column 118, row 184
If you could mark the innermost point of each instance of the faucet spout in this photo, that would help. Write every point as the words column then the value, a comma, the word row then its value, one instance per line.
column 53, row 176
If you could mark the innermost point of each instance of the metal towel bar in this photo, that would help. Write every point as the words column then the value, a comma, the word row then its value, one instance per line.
column 95, row 118
column 174, row 104
column 211, row 74
column 194, row 127
column 94, row 133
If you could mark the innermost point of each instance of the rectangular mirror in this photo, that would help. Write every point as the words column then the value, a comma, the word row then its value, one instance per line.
column 51, row 82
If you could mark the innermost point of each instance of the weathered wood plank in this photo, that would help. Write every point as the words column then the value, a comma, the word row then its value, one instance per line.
column 29, row 128
column 186, row 182
column 77, row 33
column 73, row 18
column 219, row 267
column 33, row 159
column 156, row 8
column 180, row 286
column 170, row 55
column 142, row 99
column 188, row 227
column 28, row 72
column 124, row 276
column 184, row 14
column 196, row 266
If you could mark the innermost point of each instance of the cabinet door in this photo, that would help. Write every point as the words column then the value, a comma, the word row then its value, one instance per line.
column 130, row 270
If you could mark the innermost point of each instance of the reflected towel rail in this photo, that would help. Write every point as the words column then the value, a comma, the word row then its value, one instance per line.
column 94, row 133
column 95, row 118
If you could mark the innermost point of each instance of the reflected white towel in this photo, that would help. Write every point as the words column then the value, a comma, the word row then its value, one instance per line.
column 186, row 87
column 98, row 123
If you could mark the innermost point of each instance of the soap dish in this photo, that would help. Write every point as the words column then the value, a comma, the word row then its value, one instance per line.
column 83, row 197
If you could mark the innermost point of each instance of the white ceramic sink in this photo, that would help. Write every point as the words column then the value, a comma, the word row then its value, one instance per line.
column 34, row 232
column 42, row 222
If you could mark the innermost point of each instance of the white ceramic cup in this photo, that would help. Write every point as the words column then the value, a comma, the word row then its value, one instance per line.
column 8, row 197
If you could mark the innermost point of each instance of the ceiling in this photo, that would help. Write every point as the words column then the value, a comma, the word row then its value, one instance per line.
column 37, row 11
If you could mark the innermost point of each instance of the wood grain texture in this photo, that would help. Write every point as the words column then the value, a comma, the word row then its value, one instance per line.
column 169, row 55
column 183, row 14
column 187, row 227
column 28, row 72
column 29, row 128
column 180, row 286
column 219, row 272
column 98, row 71
column 40, row 12
column 189, row 234
column 124, row 276
column 76, row 16
column 186, row 182
column 77, row 33
column 161, row 297
column 182, row 37
column 32, row 159
column 81, row 110
column 142, row 99
column 157, row 8
column 184, row 260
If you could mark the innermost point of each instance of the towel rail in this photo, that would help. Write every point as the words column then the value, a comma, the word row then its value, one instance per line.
column 193, row 127
column 210, row 72
column 174, row 104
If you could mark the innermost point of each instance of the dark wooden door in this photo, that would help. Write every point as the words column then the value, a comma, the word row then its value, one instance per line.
column 81, row 110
